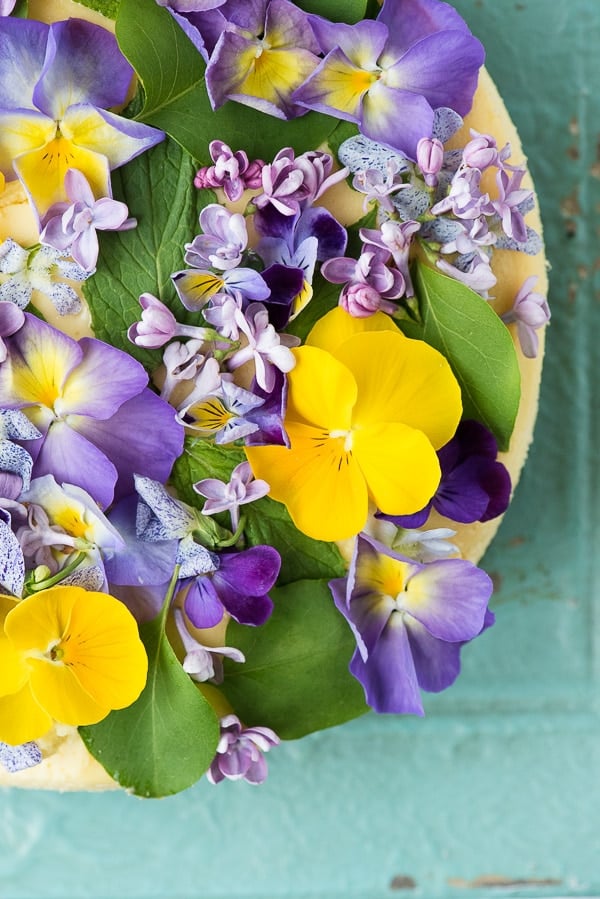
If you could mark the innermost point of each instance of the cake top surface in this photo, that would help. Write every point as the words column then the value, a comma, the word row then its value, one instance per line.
column 270, row 308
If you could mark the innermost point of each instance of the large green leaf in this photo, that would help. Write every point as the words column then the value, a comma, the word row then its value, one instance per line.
column 296, row 677
column 267, row 522
column 108, row 8
column 477, row 344
column 171, row 71
column 349, row 11
column 166, row 740
column 158, row 189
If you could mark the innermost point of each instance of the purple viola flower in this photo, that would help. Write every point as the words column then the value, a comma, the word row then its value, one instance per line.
column 410, row 621
column 56, row 84
column 99, row 421
column 239, row 586
column 71, row 226
column 195, row 287
column 242, row 488
column 231, row 171
column 530, row 311
column 474, row 485
column 226, row 412
column 240, row 752
column 390, row 75
column 368, row 282
column 266, row 51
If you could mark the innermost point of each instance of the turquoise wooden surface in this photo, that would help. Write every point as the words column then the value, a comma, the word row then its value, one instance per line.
column 497, row 791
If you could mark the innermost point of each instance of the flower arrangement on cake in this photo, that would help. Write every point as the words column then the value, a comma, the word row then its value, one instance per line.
column 266, row 304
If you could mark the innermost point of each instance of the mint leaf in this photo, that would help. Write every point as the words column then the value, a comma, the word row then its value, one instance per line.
column 476, row 343
column 171, row 71
column 166, row 740
column 158, row 189
column 296, row 677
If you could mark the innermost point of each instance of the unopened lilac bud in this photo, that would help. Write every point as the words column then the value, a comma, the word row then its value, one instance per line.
column 158, row 324
column 430, row 158
column 253, row 174
column 202, row 179
column 481, row 152
column 361, row 300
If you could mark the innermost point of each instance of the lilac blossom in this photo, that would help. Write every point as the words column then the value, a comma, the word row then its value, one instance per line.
column 482, row 152
column 464, row 199
column 289, row 183
column 388, row 76
column 268, row 350
column 530, row 311
column 71, row 226
column 99, row 421
column 476, row 274
column 396, row 238
column 158, row 325
column 240, row 752
column 242, row 488
column 186, row 362
column 231, row 171
column 223, row 241
column 510, row 198
column 425, row 546
column 222, row 311
column 368, row 282
column 203, row 663
column 239, row 585
column 23, row 271
column 430, row 159
column 410, row 621
column 379, row 187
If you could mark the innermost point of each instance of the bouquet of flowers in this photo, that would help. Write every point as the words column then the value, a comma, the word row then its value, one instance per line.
column 252, row 378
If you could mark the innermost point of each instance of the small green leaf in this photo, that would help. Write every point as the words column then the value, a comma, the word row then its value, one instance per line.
column 108, row 8
column 349, row 11
column 267, row 522
column 166, row 740
column 296, row 677
column 172, row 73
column 477, row 344
column 158, row 189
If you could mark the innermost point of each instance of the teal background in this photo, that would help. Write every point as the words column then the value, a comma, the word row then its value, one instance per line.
column 497, row 791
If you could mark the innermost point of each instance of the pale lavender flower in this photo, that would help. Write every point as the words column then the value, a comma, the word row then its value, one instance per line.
column 222, row 312
column 240, row 752
column 290, row 183
column 510, row 198
column 242, row 488
column 231, row 171
column 71, row 227
column 530, row 311
column 184, row 362
column 464, row 199
column 377, row 186
column 472, row 237
column 268, row 350
column 368, row 282
column 11, row 319
column 396, row 238
column 477, row 275
column 430, row 159
column 158, row 325
column 482, row 152
column 201, row 662
column 223, row 241
column 425, row 546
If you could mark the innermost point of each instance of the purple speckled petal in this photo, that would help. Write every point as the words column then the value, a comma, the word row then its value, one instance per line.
column 449, row 597
column 83, row 65
column 105, row 379
column 17, row 758
column 12, row 564
column 22, row 53
column 202, row 603
column 138, row 563
column 388, row 675
column 436, row 662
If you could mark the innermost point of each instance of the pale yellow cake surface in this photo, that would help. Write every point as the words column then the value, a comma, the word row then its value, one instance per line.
column 67, row 764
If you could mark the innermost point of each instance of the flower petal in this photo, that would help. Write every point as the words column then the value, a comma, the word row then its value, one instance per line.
column 105, row 378
column 337, row 326
column 337, row 87
column 22, row 131
column 396, row 118
column 22, row 52
column 437, row 662
column 22, row 718
column 321, row 391
column 108, row 134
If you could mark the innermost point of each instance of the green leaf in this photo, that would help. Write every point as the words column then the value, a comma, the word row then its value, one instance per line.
column 172, row 73
column 108, row 8
column 267, row 522
column 296, row 677
column 157, row 187
column 349, row 11
column 21, row 9
column 166, row 740
column 477, row 344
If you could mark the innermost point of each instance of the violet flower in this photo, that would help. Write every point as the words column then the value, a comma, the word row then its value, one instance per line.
column 242, row 488
column 71, row 226
column 510, row 197
column 99, row 421
column 430, row 159
column 240, row 752
column 223, row 241
column 233, row 172
column 409, row 621
column 290, row 183
column 396, row 238
column 530, row 311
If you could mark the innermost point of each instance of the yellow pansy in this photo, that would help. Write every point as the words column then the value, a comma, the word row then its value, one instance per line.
column 66, row 655
column 367, row 410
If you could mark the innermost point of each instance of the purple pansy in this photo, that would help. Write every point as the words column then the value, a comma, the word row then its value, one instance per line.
column 240, row 752
column 390, row 75
column 410, row 621
column 474, row 485
column 90, row 401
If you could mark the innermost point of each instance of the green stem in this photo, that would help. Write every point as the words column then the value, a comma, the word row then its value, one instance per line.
column 169, row 597
column 231, row 541
column 56, row 578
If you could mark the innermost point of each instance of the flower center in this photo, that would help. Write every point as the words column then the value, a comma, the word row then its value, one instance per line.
column 346, row 436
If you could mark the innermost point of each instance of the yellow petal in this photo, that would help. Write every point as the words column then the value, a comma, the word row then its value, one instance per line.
column 85, row 127
column 321, row 391
column 198, row 287
column 58, row 691
column 22, row 132
column 399, row 464
column 402, row 380
column 319, row 482
column 40, row 621
column 43, row 171
column 22, row 718
column 337, row 326
column 275, row 74
column 13, row 671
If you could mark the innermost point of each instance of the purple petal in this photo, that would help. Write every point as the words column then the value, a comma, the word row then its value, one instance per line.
column 436, row 662
column 105, row 379
column 362, row 43
column 202, row 603
column 319, row 222
column 138, row 563
column 22, row 53
column 243, row 580
column 449, row 597
column 284, row 284
column 396, row 118
column 388, row 676
column 12, row 564
column 250, row 283
column 83, row 65
column 409, row 21
column 11, row 319
column 339, row 270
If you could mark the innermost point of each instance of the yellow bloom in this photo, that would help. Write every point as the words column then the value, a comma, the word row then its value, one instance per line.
column 367, row 410
column 66, row 655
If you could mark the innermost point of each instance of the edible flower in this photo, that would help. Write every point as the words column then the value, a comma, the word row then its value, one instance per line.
column 66, row 655
column 367, row 408
column 240, row 752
